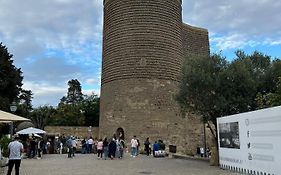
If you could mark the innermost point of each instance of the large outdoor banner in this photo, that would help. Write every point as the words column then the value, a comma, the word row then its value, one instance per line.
column 250, row 142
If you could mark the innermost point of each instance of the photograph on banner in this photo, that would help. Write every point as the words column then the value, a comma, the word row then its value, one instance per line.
column 229, row 135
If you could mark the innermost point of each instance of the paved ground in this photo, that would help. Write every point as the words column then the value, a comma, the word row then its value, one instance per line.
column 90, row 165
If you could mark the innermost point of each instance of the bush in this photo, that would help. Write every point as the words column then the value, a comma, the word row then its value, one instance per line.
column 4, row 142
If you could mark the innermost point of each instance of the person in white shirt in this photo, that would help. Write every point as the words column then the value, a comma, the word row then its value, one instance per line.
column 61, row 147
column 74, row 146
column 90, row 143
column 15, row 150
column 134, row 144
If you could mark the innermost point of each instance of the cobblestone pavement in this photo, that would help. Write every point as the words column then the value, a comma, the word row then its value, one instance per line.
column 90, row 165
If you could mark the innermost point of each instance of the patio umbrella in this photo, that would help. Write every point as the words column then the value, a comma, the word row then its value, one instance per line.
column 31, row 130
column 8, row 117
column 36, row 135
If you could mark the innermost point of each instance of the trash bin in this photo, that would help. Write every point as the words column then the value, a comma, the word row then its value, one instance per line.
column 172, row 148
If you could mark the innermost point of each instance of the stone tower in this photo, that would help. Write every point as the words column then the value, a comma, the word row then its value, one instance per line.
column 144, row 46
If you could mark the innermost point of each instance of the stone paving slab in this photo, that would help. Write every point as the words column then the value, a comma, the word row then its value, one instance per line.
column 90, row 165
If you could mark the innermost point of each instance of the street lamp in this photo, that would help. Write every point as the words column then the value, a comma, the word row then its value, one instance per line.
column 90, row 131
column 13, row 108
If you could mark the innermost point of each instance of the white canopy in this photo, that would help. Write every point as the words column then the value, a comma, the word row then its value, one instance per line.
column 8, row 117
column 31, row 130
column 36, row 135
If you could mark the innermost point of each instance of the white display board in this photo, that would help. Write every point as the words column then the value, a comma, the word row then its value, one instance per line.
column 250, row 142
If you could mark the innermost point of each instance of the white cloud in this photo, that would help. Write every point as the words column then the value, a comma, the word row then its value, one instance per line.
column 56, row 24
column 250, row 19
column 234, row 41
column 45, row 93
column 57, row 40
column 91, row 81
column 271, row 42
column 53, row 42
column 91, row 91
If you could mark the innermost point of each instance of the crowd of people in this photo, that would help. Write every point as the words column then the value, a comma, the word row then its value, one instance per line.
column 104, row 148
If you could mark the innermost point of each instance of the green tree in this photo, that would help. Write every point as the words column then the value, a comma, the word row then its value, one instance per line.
column 10, row 79
column 274, row 99
column 74, row 94
column 90, row 109
column 68, row 115
column 200, row 89
column 41, row 115
column 239, row 88
column 69, row 111
column 213, row 87
column 76, row 109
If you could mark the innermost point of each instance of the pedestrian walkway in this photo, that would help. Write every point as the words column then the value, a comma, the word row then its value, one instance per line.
column 89, row 164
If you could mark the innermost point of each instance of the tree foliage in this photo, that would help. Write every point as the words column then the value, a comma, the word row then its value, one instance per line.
column 68, row 115
column 274, row 99
column 200, row 89
column 11, row 85
column 74, row 94
column 41, row 115
column 214, row 87
column 76, row 109
column 91, row 110
column 10, row 79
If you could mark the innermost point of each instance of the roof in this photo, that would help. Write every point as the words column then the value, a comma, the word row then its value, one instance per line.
column 8, row 117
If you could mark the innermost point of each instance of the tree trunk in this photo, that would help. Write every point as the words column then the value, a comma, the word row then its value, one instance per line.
column 214, row 160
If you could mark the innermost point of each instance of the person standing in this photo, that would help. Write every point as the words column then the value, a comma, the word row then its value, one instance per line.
column 74, row 146
column 32, row 148
column 202, row 151
column 105, row 148
column 146, row 146
column 40, row 148
column 100, row 148
column 112, row 148
column 122, row 147
column 69, row 147
column 61, row 147
column 138, row 147
column 90, row 145
column 155, row 148
column 134, row 144
column 15, row 150
column 84, row 146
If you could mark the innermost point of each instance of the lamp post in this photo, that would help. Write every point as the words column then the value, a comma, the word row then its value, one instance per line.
column 13, row 108
column 90, row 131
column 205, row 144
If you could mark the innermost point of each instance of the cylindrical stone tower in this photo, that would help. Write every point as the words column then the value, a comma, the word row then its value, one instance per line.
column 141, row 65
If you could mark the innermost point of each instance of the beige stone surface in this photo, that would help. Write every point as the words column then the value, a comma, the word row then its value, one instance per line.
column 90, row 165
column 144, row 46
column 78, row 131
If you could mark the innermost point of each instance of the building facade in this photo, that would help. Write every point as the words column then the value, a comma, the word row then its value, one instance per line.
column 144, row 46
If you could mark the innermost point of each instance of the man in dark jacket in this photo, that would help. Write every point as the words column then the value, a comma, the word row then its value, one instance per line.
column 112, row 148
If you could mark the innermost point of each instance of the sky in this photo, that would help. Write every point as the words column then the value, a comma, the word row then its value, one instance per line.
column 55, row 41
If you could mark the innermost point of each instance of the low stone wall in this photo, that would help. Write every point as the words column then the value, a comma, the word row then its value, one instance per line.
column 77, row 131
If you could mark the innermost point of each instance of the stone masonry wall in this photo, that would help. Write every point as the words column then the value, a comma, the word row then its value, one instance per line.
column 195, row 41
column 78, row 131
column 140, row 38
column 146, row 108
column 144, row 45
